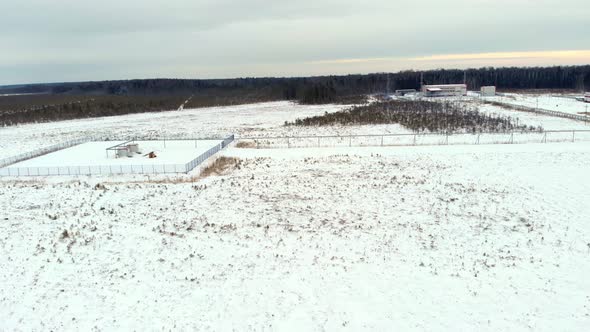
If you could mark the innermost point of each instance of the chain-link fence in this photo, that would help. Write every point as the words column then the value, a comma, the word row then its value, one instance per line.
column 39, row 152
column 197, row 161
column 415, row 139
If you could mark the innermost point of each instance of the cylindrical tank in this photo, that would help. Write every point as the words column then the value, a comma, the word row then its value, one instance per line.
column 133, row 148
column 122, row 152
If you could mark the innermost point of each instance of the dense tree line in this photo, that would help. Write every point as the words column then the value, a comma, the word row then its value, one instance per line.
column 96, row 106
column 128, row 96
column 327, row 88
column 419, row 116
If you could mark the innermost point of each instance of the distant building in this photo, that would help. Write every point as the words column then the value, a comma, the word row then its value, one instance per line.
column 587, row 97
column 444, row 90
column 488, row 91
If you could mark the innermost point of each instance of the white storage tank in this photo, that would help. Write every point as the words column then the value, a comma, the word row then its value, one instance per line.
column 488, row 91
column 122, row 152
column 133, row 148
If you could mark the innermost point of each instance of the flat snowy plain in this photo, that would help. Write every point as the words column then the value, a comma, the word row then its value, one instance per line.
column 486, row 237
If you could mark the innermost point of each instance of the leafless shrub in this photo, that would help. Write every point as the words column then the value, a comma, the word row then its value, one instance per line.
column 419, row 116
column 245, row 144
column 100, row 186
column 220, row 166
column 64, row 235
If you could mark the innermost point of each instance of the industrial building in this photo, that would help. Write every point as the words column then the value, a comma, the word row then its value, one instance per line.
column 444, row 90
column 488, row 91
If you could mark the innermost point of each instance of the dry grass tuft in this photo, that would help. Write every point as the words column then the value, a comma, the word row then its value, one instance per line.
column 220, row 166
column 245, row 144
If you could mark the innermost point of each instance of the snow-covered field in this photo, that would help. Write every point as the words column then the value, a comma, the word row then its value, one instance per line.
column 535, row 120
column 265, row 119
column 417, row 238
column 478, row 237
column 258, row 119
column 559, row 103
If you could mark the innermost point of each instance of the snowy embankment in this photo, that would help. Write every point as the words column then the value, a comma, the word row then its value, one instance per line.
column 480, row 238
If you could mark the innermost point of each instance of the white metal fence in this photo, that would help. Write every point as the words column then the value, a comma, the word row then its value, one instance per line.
column 197, row 161
column 39, row 152
column 105, row 169
column 416, row 139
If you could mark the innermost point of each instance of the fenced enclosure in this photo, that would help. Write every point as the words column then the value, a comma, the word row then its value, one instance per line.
column 105, row 169
column 416, row 139
column 39, row 152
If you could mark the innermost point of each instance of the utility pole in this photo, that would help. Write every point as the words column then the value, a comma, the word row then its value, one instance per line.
column 421, row 80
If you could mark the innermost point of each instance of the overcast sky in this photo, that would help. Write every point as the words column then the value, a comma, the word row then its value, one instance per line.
column 73, row 40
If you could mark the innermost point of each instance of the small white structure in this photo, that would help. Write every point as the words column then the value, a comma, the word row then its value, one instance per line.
column 488, row 91
column 587, row 97
column 128, row 150
column 133, row 148
column 122, row 152
column 444, row 90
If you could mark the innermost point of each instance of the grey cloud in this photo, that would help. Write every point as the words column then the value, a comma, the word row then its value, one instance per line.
column 185, row 38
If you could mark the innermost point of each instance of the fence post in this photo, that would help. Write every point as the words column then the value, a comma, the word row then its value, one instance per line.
column 477, row 141
column 414, row 139
column 350, row 141
column 511, row 138
column 381, row 140
column 288, row 143
column 573, row 136
column 447, row 139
